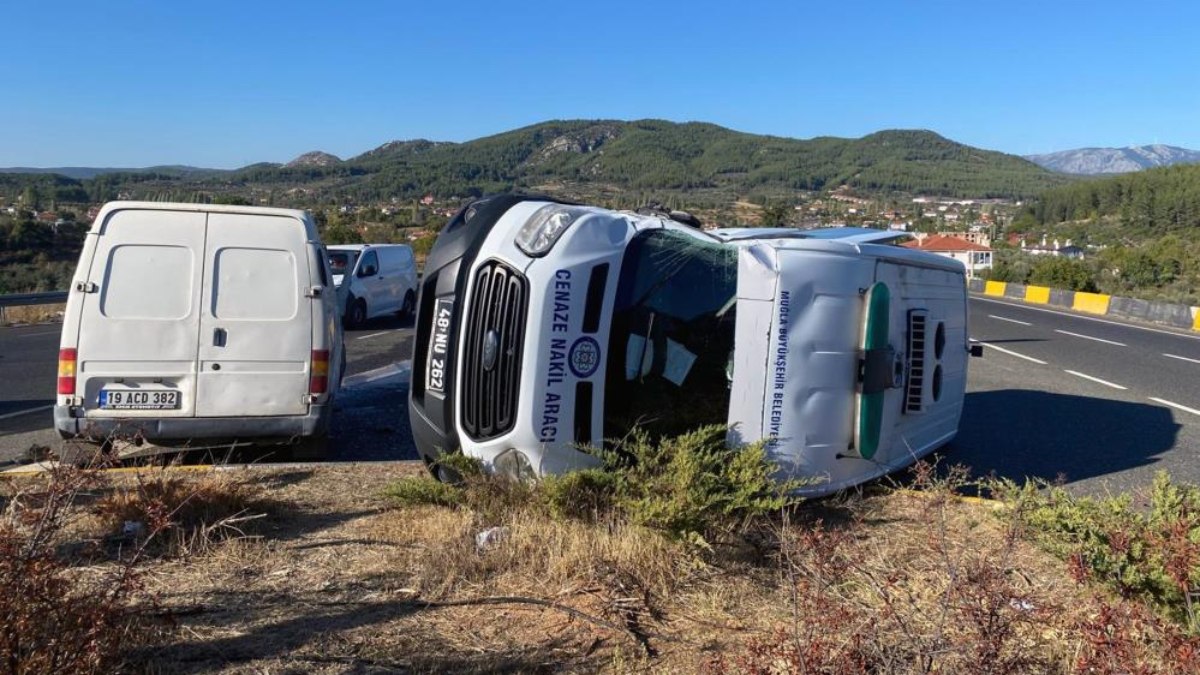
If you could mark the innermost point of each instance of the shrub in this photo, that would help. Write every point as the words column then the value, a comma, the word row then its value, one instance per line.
column 1154, row 554
column 55, row 619
column 692, row 486
column 695, row 485
column 186, row 514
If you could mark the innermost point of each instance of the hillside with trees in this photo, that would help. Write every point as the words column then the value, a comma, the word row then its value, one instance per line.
column 583, row 157
column 1142, row 231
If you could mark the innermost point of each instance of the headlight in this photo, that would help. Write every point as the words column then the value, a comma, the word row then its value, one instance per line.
column 545, row 226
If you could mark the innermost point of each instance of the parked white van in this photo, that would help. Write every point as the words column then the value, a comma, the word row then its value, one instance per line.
column 374, row 280
column 544, row 328
column 196, row 321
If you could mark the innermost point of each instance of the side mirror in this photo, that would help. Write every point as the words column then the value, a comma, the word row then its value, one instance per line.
column 368, row 271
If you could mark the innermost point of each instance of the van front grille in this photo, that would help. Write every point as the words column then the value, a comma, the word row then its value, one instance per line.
column 914, row 389
column 492, row 345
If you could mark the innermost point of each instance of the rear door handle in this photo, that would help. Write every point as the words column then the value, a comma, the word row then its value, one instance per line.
column 219, row 337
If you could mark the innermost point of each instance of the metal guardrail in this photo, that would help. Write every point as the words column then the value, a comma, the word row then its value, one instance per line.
column 22, row 299
column 25, row 299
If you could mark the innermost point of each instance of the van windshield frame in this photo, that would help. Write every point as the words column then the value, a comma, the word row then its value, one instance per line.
column 671, row 340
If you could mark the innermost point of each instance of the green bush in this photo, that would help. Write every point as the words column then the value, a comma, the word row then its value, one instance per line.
column 1153, row 554
column 692, row 487
column 695, row 485
column 414, row 491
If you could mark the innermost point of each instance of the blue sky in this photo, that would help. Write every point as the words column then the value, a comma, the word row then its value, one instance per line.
column 224, row 84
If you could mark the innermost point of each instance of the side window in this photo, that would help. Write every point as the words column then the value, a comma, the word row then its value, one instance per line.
column 369, row 266
column 407, row 257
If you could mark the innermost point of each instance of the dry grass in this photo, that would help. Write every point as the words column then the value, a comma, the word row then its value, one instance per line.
column 31, row 314
column 338, row 578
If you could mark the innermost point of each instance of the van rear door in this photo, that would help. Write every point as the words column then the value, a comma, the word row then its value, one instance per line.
column 255, row 320
column 139, row 315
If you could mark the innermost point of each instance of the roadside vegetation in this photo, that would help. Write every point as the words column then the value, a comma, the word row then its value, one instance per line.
column 681, row 556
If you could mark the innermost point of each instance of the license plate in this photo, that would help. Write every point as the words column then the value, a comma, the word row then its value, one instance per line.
column 123, row 399
column 439, row 346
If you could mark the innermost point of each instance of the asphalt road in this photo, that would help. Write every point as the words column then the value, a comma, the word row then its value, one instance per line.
column 1098, row 404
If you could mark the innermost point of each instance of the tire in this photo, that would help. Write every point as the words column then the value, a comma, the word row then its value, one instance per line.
column 410, row 305
column 356, row 313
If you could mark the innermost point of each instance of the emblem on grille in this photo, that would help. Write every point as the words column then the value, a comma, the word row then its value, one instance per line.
column 491, row 349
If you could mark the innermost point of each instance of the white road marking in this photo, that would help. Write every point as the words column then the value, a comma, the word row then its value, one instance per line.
column 25, row 412
column 368, row 337
column 1175, row 405
column 399, row 369
column 1008, row 320
column 1181, row 358
column 1009, row 352
column 49, row 332
column 1089, row 337
column 1073, row 315
column 1095, row 379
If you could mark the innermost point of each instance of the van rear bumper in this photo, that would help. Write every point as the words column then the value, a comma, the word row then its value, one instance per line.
column 315, row 423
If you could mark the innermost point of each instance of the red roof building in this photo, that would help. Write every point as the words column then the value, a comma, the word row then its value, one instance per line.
column 974, row 256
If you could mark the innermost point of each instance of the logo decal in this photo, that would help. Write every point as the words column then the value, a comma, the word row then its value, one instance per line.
column 491, row 349
column 585, row 357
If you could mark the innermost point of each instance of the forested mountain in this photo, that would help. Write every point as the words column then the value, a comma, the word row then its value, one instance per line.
column 586, row 155
column 1092, row 161
column 85, row 172
column 1155, row 201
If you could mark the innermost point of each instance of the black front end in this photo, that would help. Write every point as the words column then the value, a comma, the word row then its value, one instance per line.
column 441, row 314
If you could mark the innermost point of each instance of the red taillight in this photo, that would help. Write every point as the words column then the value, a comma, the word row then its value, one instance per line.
column 66, row 371
column 318, row 378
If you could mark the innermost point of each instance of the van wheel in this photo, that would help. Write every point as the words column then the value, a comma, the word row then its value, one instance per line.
column 410, row 303
column 356, row 316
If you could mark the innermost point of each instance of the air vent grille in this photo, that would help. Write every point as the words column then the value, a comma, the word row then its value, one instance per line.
column 918, row 339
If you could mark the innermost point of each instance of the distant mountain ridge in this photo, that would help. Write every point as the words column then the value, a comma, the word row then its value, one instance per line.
column 1092, row 161
column 591, row 157
column 89, row 172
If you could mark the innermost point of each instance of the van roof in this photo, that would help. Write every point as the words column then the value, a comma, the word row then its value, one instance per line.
column 111, row 207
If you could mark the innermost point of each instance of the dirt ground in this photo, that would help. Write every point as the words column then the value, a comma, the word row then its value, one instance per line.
column 323, row 573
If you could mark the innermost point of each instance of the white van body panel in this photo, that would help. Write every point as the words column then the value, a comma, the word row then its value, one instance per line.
column 796, row 368
column 141, row 320
column 223, row 304
column 256, row 323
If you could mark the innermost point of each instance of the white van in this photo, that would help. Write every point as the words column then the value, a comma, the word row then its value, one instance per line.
column 545, row 328
column 196, row 321
column 374, row 280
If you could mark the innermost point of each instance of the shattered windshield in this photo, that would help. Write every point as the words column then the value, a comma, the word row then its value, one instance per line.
column 671, row 342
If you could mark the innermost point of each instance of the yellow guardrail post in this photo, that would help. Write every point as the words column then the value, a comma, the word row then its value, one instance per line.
column 1092, row 303
column 1037, row 294
column 995, row 288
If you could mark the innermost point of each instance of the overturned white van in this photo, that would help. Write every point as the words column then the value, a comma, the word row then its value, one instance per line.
column 195, row 321
column 544, row 328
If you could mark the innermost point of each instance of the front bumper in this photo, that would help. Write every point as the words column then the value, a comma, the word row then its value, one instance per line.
column 446, row 275
column 315, row 423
